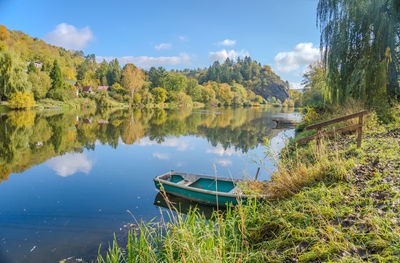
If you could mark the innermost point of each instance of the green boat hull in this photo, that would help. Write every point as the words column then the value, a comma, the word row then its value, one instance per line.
column 200, row 197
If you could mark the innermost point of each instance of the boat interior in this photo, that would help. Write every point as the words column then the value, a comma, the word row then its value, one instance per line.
column 211, row 184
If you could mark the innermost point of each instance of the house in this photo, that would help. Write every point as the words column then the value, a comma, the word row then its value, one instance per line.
column 102, row 88
column 102, row 121
column 87, row 89
column 37, row 64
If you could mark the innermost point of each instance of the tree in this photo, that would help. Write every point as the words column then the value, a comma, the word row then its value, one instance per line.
column 20, row 100
column 57, row 81
column 41, row 83
column 101, row 73
column 132, row 79
column 87, row 65
column 360, row 41
column 12, row 75
column 175, row 82
column 193, row 89
column 158, row 77
column 159, row 94
column 117, row 88
column 315, row 85
column 4, row 34
column 32, row 68
column 114, row 72
column 146, row 97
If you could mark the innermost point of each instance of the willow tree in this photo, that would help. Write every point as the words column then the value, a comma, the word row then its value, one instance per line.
column 359, row 41
column 12, row 75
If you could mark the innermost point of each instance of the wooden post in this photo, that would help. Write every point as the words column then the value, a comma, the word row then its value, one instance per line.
column 258, row 171
column 319, row 136
column 359, row 130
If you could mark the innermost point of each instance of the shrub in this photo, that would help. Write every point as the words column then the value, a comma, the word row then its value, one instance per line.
column 159, row 94
column 136, row 99
column 20, row 100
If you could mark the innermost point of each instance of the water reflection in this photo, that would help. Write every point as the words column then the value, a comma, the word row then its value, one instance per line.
column 70, row 163
column 182, row 205
column 29, row 138
column 71, row 177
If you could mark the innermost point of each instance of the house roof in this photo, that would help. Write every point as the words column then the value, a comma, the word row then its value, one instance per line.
column 86, row 88
column 72, row 82
column 105, row 88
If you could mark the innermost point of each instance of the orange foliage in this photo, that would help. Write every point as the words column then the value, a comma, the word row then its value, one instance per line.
column 4, row 34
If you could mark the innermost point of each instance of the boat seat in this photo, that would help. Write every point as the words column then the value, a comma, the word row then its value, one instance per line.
column 185, row 182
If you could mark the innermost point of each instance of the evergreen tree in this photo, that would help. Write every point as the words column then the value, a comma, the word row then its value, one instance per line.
column 32, row 68
column 114, row 72
column 56, row 76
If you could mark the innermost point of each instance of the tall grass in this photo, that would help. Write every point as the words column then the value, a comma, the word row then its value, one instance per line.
column 190, row 238
column 313, row 215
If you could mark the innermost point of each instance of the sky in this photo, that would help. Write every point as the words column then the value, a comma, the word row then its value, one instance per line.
column 176, row 34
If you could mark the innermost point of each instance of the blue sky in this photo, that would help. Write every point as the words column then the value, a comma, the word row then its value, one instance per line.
column 176, row 34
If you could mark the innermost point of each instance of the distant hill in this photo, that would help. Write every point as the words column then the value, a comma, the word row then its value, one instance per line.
column 232, row 83
column 247, row 72
column 33, row 49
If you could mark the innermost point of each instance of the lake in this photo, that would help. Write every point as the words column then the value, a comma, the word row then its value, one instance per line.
column 68, row 180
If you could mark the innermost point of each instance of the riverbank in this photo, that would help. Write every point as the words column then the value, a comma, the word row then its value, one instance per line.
column 338, row 205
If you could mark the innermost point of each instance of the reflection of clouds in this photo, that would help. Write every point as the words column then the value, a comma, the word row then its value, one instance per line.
column 70, row 163
column 224, row 162
column 219, row 150
column 161, row 156
column 181, row 144
column 280, row 140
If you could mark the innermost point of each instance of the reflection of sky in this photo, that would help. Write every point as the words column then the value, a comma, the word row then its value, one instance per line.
column 181, row 144
column 70, row 163
column 78, row 212
column 219, row 150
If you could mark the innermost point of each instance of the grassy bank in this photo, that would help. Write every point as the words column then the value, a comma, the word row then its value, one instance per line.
column 338, row 205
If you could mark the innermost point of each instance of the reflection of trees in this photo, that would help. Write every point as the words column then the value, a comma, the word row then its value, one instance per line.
column 29, row 138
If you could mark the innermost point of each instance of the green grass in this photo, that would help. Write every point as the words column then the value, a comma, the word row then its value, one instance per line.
column 339, row 205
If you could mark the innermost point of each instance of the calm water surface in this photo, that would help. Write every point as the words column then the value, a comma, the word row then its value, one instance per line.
column 68, row 180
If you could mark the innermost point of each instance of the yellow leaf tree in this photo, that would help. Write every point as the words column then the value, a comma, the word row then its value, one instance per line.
column 132, row 80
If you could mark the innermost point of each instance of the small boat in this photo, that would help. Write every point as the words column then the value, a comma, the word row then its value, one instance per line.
column 284, row 122
column 204, row 189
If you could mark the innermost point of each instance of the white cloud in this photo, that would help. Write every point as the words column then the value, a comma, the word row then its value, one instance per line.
column 163, row 46
column 69, row 37
column 183, row 38
column 147, row 62
column 227, row 42
column 224, row 162
column 296, row 86
column 181, row 144
column 161, row 156
column 223, row 54
column 70, row 163
column 219, row 150
column 303, row 54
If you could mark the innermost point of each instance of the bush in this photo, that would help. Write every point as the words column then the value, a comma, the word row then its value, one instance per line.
column 159, row 94
column 117, row 97
column 20, row 100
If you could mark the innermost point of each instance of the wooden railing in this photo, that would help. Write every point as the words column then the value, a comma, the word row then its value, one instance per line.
column 321, row 125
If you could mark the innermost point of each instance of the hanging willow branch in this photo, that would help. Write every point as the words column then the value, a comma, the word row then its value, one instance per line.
column 357, row 39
